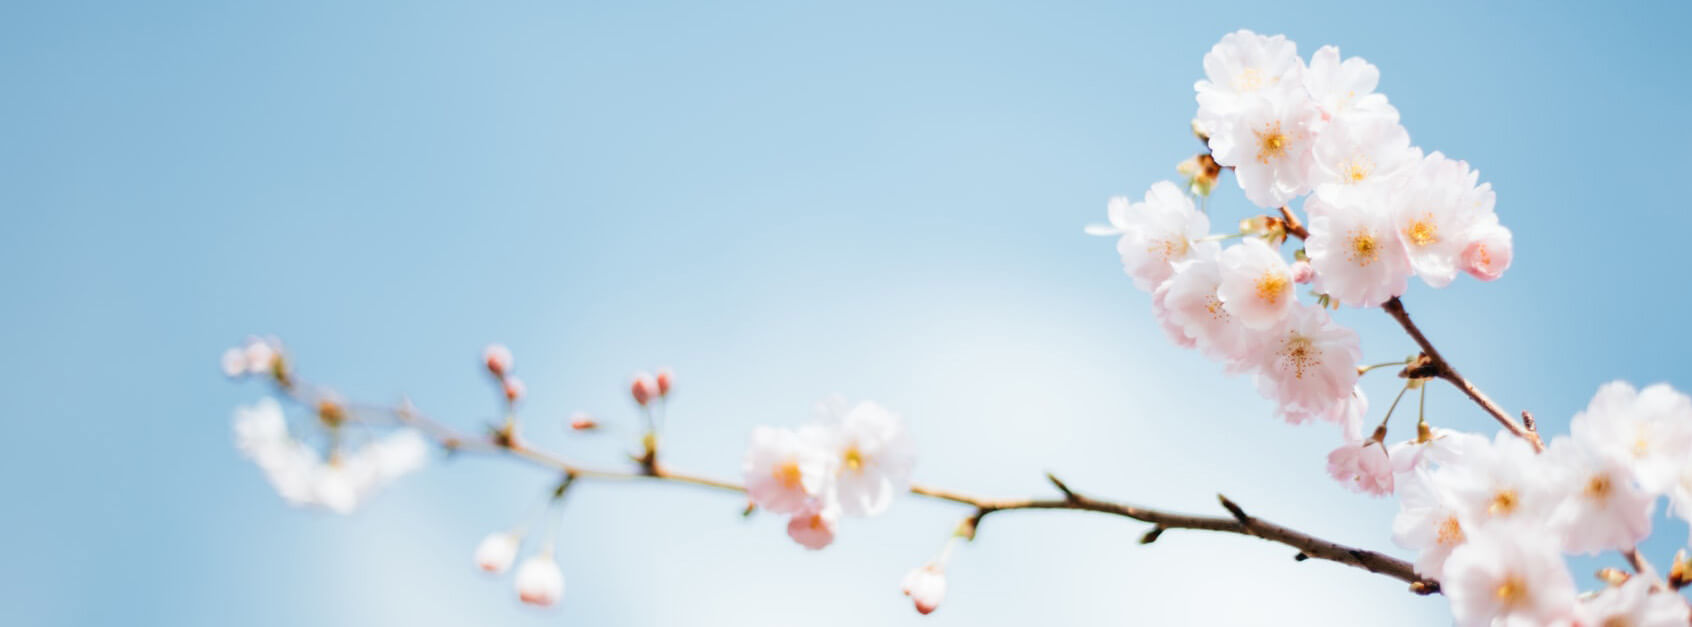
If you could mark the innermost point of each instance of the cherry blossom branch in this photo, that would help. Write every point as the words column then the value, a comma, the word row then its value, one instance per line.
column 505, row 441
column 1434, row 365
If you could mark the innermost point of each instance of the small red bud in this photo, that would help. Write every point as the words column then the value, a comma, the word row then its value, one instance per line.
column 643, row 388
column 664, row 378
column 514, row 389
column 498, row 359
column 583, row 422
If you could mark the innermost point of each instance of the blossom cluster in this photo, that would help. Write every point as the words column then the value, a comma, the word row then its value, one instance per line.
column 852, row 460
column 1491, row 519
column 304, row 476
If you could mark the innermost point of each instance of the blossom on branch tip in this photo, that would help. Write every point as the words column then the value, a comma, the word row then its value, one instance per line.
column 1346, row 88
column 258, row 356
column 1509, row 575
column 926, row 586
column 873, row 455
column 1256, row 286
column 785, row 469
column 1434, row 212
column 539, row 581
column 1489, row 251
column 1157, row 232
column 1649, row 431
column 1241, row 65
column 1360, row 154
column 1505, row 481
column 497, row 551
column 514, row 389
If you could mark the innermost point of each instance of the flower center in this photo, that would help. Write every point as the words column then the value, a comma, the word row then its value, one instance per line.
column 1271, row 142
column 1511, row 592
column 788, row 474
column 1450, row 531
column 1213, row 305
column 1300, row 355
column 1357, row 169
column 1364, row 249
column 854, row 459
column 1271, row 286
column 1422, row 231
column 1598, row 488
column 1170, row 249
column 1249, row 79
column 1503, row 503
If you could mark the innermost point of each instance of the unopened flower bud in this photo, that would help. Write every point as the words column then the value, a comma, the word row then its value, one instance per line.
column 664, row 378
column 926, row 586
column 643, row 388
column 1680, row 573
column 497, row 358
column 1302, row 272
column 514, row 389
column 539, row 582
column 582, row 422
column 497, row 551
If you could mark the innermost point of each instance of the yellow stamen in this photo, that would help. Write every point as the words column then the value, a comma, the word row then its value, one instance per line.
column 788, row 474
column 854, row 459
column 1271, row 143
column 1249, row 79
column 1503, row 503
column 1300, row 354
column 1511, row 592
column 1450, row 532
column 1598, row 488
column 1422, row 231
column 1272, row 287
column 1364, row 249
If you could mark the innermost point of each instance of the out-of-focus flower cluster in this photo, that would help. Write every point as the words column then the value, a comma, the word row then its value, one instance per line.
column 1490, row 518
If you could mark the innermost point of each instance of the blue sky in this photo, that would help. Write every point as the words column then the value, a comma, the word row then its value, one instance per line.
column 872, row 198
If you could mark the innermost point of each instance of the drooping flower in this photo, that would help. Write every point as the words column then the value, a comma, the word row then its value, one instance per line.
column 1189, row 302
column 1308, row 364
column 1345, row 88
column 926, row 586
column 784, row 469
column 497, row 551
column 1427, row 522
column 1649, row 431
column 1268, row 143
column 1603, row 508
column 872, row 455
column 1633, row 604
column 1355, row 252
column 813, row 526
column 1257, row 286
column 1488, row 253
column 1434, row 212
column 1157, row 232
column 1508, row 574
column 539, row 581
column 1360, row 154
column 1362, row 466
column 1241, row 65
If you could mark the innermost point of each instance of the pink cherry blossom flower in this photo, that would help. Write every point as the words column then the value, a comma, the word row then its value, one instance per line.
column 785, row 470
column 1308, row 364
column 643, row 389
column 1190, row 302
column 1362, row 466
column 1268, row 142
column 1434, row 211
column 1345, row 88
column 926, row 586
column 813, row 526
column 1427, row 522
column 1604, row 509
column 872, row 455
column 1355, row 251
column 1256, row 286
column 1488, row 253
column 1243, row 64
column 1511, row 575
column 1648, row 430
column 1634, row 604
column 1156, row 233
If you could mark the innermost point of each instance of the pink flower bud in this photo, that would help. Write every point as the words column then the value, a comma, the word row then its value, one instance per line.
column 514, row 389
column 497, row 551
column 583, row 422
column 813, row 527
column 643, row 388
column 539, row 582
column 1302, row 272
column 664, row 378
column 1488, row 253
column 498, row 359
column 926, row 586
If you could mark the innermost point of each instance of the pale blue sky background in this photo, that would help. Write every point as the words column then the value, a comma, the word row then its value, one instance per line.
column 880, row 199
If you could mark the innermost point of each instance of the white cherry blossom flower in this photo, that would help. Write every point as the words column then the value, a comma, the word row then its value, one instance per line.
column 1649, row 430
column 1441, row 445
column 1346, row 88
column 926, row 586
column 1603, row 509
column 1308, row 364
column 1506, row 481
column 1632, row 604
column 1356, row 153
column 872, row 455
column 1427, row 522
column 1241, row 65
column 497, row 551
column 1156, row 233
column 1257, row 285
column 539, row 581
column 1434, row 212
column 1268, row 143
column 1355, row 252
column 1509, row 575
column 1189, row 302
column 784, row 469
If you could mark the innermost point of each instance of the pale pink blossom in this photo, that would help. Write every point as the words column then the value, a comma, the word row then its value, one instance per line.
column 1632, row 604
column 784, row 470
column 1256, row 286
column 1268, row 143
column 1603, row 509
column 1434, row 212
column 1504, row 481
column 496, row 552
column 1440, row 446
column 1489, row 251
column 872, row 455
column 1308, row 364
column 926, row 586
column 1362, row 467
column 1241, row 65
column 1355, row 252
column 1190, row 302
column 1428, row 522
column 539, row 581
column 1166, row 319
column 814, row 525
column 1345, row 88
column 1156, row 233
column 1649, row 430
column 1510, row 575
column 1359, row 154
column 258, row 356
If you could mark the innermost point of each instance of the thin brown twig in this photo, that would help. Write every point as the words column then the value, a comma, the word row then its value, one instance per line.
column 1435, row 365
column 1238, row 522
